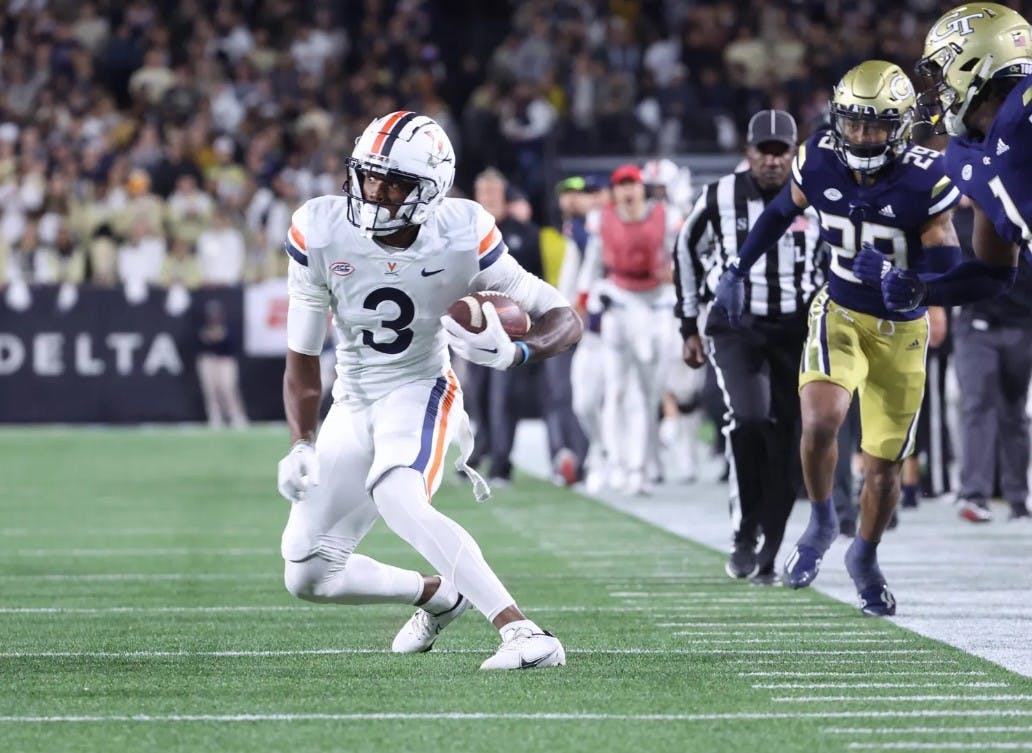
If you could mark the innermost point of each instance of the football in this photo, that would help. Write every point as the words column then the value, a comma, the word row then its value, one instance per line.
column 468, row 313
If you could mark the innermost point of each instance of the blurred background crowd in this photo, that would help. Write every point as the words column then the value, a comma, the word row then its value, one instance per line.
column 165, row 141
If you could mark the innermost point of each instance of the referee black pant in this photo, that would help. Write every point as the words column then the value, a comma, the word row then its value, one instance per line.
column 757, row 369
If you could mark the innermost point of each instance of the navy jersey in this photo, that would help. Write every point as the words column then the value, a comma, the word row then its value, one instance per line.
column 889, row 214
column 995, row 172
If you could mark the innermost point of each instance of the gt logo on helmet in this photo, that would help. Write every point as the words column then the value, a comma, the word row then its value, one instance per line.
column 961, row 25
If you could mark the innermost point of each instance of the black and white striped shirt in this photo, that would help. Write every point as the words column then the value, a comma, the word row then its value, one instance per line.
column 780, row 284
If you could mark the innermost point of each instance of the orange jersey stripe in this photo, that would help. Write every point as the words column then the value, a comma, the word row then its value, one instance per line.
column 297, row 237
column 393, row 118
column 489, row 241
column 442, row 432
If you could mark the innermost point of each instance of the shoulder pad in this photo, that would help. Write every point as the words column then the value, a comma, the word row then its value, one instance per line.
column 317, row 219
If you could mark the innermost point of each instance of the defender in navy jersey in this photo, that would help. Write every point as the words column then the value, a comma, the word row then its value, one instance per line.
column 870, row 187
column 979, row 58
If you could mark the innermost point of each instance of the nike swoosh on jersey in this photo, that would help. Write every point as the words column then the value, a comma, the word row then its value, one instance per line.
column 431, row 273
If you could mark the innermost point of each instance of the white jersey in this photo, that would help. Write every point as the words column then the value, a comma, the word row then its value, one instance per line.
column 387, row 303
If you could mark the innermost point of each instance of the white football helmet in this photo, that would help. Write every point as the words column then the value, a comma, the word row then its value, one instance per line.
column 675, row 181
column 406, row 147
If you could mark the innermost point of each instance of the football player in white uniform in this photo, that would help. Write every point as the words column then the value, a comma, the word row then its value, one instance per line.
column 387, row 259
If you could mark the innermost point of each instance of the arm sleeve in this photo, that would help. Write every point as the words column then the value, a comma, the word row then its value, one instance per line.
column 768, row 229
column 971, row 281
column 940, row 259
column 532, row 293
column 306, row 313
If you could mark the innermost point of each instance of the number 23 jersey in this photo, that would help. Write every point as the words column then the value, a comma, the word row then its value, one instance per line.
column 889, row 214
column 995, row 172
column 387, row 304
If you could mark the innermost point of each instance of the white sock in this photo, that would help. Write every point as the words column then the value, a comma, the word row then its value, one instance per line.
column 509, row 627
column 400, row 496
column 361, row 580
column 445, row 597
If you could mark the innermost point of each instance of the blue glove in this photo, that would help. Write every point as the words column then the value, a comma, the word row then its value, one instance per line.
column 903, row 290
column 871, row 266
column 730, row 295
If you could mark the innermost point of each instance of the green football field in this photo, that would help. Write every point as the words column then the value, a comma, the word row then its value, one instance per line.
column 142, row 609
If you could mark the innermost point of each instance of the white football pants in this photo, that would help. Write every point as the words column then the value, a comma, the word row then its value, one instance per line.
column 385, row 459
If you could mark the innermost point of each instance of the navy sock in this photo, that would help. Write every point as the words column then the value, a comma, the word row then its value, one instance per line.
column 822, row 528
column 909, row 498
column 862, row 563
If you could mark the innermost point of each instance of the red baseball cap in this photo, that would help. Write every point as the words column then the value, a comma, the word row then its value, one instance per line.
column 626, row 173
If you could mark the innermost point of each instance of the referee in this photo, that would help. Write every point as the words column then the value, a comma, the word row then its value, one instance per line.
column 757, row 366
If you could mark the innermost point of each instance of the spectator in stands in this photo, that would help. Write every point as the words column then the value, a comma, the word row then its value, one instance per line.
column 221, row 251
column 180, row 266
column 189, row 210
column 140, row 259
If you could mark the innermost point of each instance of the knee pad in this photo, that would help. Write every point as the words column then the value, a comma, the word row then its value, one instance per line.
column 303, row 579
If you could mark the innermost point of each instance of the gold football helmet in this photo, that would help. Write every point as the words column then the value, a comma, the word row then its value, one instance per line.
column 964, row 50
column 872, row 111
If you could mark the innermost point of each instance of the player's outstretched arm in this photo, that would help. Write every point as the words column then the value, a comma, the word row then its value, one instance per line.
column 989, row 274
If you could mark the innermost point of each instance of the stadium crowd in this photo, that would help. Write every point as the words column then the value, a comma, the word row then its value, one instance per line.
column 169, row 141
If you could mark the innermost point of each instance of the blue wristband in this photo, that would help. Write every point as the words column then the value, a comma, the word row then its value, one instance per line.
column 526, row 351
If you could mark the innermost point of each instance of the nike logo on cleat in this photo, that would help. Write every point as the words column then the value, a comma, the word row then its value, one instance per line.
column 524, row 664
column 430, row 273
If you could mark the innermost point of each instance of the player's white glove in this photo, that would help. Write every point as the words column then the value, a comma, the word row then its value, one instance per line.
column 298, row 471
column 492, row 347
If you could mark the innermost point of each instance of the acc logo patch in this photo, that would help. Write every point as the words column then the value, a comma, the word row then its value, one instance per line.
column 342, row 268
column 832, row 194
column 966, row 171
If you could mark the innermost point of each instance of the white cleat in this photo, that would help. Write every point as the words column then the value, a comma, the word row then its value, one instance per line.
column 522, row 648
column 417, row 636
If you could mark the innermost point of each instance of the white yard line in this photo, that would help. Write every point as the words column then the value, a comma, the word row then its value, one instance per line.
column 246, row 653
column 881, row 673
column 851, row 685
column 941, row 746
column 898, row 698
column 659, row 611
column 479, row 716
column 922, row 730
column 822, row 639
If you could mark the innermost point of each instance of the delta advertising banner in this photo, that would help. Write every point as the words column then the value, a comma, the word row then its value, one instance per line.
column 104, row 359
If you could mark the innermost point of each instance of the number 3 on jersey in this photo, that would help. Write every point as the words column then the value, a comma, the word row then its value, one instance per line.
column 398, row 325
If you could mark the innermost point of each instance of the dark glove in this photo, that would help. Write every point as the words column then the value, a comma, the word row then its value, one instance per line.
column 730, row 295
column 871, row 265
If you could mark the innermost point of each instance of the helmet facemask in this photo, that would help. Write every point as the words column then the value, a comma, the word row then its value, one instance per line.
column 374, row 218
column 865, row 156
